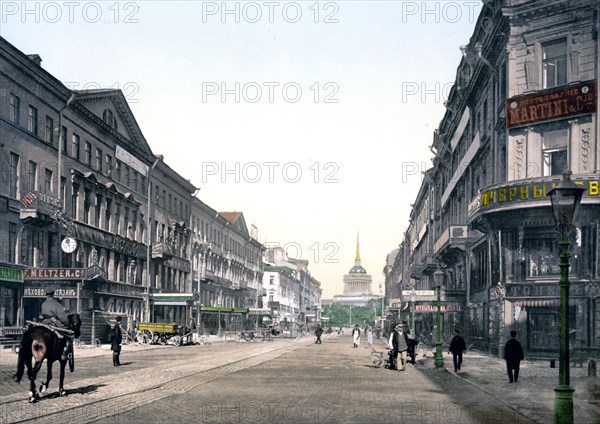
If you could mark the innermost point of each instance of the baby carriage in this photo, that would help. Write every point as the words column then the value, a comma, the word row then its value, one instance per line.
column 379, row 359
column 390, row 362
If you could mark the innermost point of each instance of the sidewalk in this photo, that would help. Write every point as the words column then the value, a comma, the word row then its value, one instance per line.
column 533, row 395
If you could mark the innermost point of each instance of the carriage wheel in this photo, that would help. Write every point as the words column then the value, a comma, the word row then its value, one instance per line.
column 377, row 361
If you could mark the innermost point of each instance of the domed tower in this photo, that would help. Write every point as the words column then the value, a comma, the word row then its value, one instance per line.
column 357, row 281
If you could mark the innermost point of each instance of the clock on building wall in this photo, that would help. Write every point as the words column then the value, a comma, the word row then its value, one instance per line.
column 68, row 245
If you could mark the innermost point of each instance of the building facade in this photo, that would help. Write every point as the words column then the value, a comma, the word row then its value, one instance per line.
column 87, row 208
column 73, row 198
column 292, row 294
column 523, row 108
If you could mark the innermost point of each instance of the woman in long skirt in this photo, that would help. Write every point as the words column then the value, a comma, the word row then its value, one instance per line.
column 355, row 336
column 370, row 336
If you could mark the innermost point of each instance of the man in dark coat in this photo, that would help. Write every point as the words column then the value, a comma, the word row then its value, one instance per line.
column 412, row 343
column 513, row 354
column 115, row 341
column 53, row 311
column 318, row 333
column 53, row 314
column 457, row 347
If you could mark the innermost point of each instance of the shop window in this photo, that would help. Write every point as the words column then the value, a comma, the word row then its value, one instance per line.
column 554, row 63
column 542, row 263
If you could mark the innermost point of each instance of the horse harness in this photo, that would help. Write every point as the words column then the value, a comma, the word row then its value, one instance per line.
column 59, row 332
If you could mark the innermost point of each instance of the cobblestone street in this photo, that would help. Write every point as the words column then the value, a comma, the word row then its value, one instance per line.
column 288, row 380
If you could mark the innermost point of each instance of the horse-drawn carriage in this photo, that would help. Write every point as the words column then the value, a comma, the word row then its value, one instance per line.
column 160, row 333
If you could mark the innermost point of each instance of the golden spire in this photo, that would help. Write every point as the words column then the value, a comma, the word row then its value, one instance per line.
column 357, row 260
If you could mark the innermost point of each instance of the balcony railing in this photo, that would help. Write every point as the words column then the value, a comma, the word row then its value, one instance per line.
column 162, row 250
column 456, row 235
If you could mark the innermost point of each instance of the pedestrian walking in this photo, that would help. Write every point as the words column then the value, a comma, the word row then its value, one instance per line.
column 115, row 341
column 513, row 354
column 397, row 343
column 457, row 347
column 370, row 336
column 355, row 336
column 318, row 333
column 412, row 343
column 378, row 331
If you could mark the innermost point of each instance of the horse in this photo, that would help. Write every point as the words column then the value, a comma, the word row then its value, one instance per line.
column 41, row 342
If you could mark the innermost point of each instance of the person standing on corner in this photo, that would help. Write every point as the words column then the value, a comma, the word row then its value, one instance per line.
column 513, row 354
column 457, row 347
column 115, row 341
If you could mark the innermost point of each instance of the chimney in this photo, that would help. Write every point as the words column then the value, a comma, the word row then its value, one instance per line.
column 36, row 59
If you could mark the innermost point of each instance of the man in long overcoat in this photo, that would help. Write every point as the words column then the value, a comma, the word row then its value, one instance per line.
column 513, row 354
column 115, row 341
column 457, row 347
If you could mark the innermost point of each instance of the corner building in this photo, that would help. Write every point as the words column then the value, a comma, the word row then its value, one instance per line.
column 522, row 109
column 551, row 124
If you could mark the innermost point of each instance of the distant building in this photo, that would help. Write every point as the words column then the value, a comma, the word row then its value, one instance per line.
column 357, row 284
column 294, row 296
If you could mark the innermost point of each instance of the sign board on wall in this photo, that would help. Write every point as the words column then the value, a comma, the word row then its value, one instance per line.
column 131, row 161
column 53, row 274
column 41, row 292
column 551, row 104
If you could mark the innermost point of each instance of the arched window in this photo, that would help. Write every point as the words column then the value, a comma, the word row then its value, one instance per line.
column 109, row 118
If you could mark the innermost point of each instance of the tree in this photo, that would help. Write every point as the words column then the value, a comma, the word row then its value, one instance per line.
column 339, row 315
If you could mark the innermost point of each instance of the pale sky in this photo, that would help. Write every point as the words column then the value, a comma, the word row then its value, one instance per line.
column 312, row 118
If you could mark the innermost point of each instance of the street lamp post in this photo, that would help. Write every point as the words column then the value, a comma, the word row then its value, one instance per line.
column 382, row 299
column 350, row 315
column 413, row 299
column 438, row 278
column 565, row 199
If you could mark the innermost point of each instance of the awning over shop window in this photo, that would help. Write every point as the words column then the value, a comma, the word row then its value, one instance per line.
column 172, row 298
